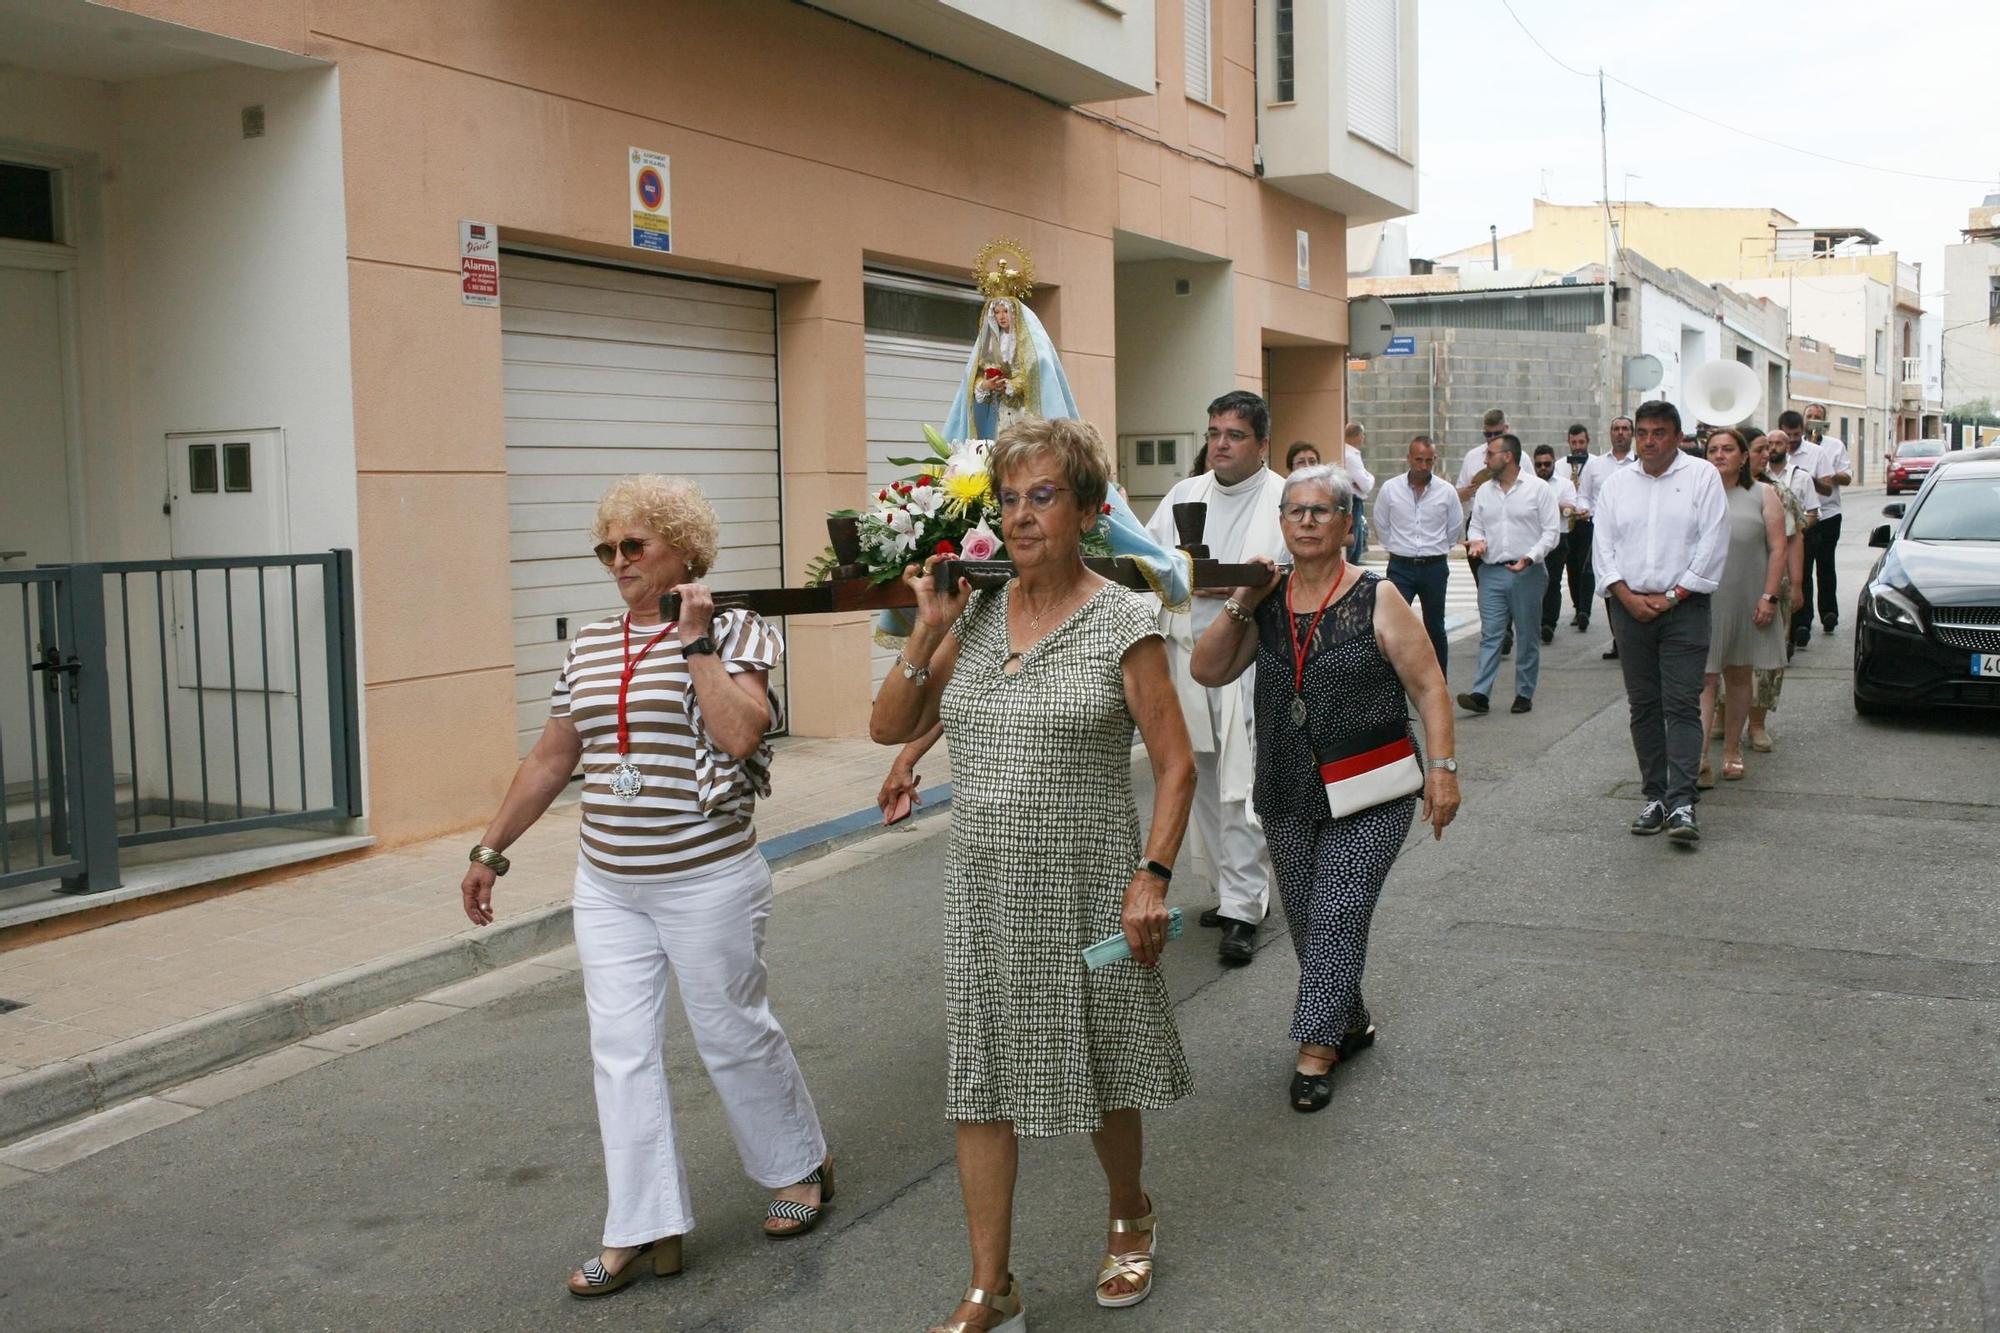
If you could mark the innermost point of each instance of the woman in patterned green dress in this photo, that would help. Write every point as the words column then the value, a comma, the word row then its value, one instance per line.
column 1039, row 685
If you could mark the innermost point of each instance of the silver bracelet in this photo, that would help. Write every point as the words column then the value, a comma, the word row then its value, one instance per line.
column 1236, row 612
column 918, row 674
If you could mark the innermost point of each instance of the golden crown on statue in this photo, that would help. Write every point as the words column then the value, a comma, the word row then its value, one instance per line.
column 1003, row 268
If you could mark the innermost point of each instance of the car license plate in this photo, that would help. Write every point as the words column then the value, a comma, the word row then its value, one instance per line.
column 1986, row 664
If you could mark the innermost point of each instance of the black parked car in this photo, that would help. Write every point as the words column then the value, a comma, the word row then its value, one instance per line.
column 1927, row 630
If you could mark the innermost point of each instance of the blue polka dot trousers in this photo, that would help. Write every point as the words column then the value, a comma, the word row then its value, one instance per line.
column 1330, row 873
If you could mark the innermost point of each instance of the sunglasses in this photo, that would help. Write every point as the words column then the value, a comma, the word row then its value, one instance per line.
column 631, row 548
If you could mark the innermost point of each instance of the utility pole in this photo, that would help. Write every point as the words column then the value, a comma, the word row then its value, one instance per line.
column 1493, row 230
column 1614, row 386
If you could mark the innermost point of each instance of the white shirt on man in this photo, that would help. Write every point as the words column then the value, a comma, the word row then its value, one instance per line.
column 1655, row 533
column 1233, row 533
column 1798, row 481
column 1358, row 474
column 1415, row 525
column 1832, row 458
column 1519, row 522
column 1595, row 473
column 1469, row 469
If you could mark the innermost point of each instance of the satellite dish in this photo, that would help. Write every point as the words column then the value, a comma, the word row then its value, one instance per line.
column 1642, row 373
column 1370, row 325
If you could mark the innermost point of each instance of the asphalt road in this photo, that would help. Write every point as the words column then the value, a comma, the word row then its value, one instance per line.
column 1621, row 1085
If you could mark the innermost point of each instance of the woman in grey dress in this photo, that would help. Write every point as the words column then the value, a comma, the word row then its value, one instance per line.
column 1745, row 630
column 1039, row 685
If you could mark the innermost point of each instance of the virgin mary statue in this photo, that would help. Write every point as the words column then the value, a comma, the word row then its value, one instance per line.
column 1013, row 371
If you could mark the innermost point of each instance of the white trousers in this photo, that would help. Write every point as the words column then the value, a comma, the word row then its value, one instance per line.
column 1231, row 838
column 706, row 927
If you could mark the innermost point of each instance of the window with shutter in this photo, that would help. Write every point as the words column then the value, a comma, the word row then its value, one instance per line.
column 1199, row 25
column 1374, row 73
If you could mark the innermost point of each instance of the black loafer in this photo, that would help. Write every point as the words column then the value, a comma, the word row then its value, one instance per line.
column 1610, row 654
column 1548, row 634
column 1239, row 942
column 1211, row 918
column 1311, row 1092
column 1522, row 704
column 1473, row 703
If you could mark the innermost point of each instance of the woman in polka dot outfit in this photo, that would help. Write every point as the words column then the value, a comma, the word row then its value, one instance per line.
column 1335, row 660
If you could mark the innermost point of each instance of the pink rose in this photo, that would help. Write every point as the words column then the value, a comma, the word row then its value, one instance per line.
column 980, row 544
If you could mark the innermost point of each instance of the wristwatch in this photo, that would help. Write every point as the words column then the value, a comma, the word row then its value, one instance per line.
column 700, row 647
column 1673, row 596
column 1448, row 764
column 1769, row 597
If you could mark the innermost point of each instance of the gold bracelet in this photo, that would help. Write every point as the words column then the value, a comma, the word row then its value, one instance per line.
column 489, row 858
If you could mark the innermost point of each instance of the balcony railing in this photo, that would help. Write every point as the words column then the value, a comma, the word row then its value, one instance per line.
column 1912, row 383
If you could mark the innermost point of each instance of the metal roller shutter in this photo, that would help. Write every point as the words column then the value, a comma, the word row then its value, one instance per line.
column 609, row 371
column 910, row 383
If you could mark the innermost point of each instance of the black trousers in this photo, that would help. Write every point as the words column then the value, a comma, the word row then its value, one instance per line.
column 1663, row 660
column 1552, row 600
column 1802, row 612
column 1582, row 568
column 1821, row 571
column 1428, row 582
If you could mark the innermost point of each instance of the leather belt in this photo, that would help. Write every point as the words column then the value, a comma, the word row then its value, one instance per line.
column 1419, row 559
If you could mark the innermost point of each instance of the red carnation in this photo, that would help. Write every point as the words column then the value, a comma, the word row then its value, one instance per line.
column 883, row 495
column 946, row 548
column 994, row 373
column 925, row 479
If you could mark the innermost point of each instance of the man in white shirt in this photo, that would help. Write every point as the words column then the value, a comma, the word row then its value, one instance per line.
column 1514, row 525
column 1472, row 474
column 1353, row 441
column 1242, row 495
column 1595, row 473
column 1805, row 456
column 1417, row 521
column 1558, row 559
column 1793, row 476
column 1662, row 539
column 1576, row 566
column 1830, row 473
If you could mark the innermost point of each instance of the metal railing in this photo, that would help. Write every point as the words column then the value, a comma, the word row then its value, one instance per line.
column 161, row 700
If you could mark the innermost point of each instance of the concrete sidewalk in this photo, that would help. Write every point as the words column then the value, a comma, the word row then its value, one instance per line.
column 98, row 1017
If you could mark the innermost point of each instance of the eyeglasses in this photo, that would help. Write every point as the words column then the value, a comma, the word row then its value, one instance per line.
column 1310, row 514
column 631, row 548
column 1039, row 499
column 1233, row 436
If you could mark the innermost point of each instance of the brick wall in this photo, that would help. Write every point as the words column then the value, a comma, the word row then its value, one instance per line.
column 1544, row 381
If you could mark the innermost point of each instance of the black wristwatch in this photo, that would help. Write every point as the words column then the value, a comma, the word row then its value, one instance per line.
column 1162, row 873
column 704, row 646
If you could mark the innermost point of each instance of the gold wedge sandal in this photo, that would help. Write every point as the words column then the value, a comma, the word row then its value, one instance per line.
column 1136, row 1266
column 1006, row 1302
column 660, row 1258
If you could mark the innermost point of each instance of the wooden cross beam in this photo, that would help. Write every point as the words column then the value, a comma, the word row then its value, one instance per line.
column 850, row 588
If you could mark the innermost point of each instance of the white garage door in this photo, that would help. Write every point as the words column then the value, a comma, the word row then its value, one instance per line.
column 919, row 334
column 609, row 371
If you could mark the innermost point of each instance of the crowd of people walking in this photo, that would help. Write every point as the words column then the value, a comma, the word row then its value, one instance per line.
column 1280, row 719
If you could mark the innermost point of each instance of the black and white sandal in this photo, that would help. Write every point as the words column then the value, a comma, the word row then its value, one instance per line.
column 801, row 1217
column 660, row 1258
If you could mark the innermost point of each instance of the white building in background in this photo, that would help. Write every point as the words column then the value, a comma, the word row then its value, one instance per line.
column 1971, row 331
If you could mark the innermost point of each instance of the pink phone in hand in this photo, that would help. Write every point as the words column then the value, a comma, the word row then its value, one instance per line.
column 899, row 811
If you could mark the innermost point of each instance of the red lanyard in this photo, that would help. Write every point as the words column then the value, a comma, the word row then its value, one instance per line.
column 625, row 681
column 1292, row 625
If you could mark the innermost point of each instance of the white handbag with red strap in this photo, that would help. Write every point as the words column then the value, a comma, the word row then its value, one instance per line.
column 1371, row 769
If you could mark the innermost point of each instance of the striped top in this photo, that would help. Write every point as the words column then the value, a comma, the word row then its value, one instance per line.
column 696, row 802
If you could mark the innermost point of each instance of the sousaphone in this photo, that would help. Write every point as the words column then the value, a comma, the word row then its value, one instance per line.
column 1723, row 393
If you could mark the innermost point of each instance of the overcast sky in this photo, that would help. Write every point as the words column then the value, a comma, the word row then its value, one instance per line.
column 1909, row 84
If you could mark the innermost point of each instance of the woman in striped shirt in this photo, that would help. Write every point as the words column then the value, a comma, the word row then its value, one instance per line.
column 668, row 721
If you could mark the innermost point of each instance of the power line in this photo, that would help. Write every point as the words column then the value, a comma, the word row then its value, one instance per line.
column 1733, row 129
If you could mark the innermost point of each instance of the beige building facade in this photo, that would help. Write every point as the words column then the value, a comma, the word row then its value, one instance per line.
column 1972, row 312
column 258, row 207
